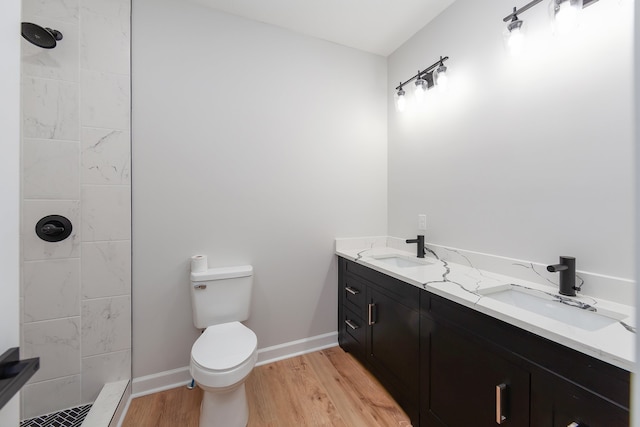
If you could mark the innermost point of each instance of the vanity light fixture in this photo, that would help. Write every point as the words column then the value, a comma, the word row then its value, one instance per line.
column 433, row 75
column 564, row 15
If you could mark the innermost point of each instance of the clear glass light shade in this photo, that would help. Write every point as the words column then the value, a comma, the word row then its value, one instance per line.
column 514, row 38
column 400, row 100
column 441, row 79
column 565, row 15
column 420, row 90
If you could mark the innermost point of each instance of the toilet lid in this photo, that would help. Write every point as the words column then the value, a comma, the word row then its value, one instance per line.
column 225, row 346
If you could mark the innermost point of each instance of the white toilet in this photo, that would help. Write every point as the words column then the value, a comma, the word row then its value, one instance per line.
column 226, row 352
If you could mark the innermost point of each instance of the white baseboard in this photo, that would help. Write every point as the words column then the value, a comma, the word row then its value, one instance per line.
column 161, row 381
column 296, row 348
column 166, row 380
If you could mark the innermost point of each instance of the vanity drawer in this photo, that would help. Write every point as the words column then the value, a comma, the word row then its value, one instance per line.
column 354, row 326
column 355, row 295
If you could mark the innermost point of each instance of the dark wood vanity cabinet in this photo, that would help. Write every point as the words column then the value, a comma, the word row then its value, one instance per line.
column 449, row 365
column 379, row 323
column 545, row 384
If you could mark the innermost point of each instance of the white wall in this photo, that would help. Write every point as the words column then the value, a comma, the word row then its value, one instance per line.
column 9, row 189
column 529, row 158
column 252, row 145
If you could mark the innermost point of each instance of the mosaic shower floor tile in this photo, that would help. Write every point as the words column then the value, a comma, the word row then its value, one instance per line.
column 68, row 418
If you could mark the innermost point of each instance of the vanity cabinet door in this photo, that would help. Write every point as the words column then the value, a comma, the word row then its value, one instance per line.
column 394, row 340
column 394, row 347
column 469, row 384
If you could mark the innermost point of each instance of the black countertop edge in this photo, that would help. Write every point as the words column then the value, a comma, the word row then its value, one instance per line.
column 14, row 373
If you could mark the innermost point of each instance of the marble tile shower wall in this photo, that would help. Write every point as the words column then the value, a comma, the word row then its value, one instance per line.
column 76, row 294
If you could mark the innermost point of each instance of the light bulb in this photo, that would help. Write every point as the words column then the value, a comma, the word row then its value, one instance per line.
column 441, row 78
column 566, row 18
column 420, row 90
column 401, row 101
column 516, row 42
column 514, row 37
column 566, row 15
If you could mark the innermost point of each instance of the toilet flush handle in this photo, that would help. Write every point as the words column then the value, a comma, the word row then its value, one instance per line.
column 199, row 286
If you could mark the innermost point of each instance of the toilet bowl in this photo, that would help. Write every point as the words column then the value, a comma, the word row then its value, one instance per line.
column 221, row 359
column 223, row 355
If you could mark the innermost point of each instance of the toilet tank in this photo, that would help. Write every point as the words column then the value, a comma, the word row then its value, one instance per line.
column 221, row 295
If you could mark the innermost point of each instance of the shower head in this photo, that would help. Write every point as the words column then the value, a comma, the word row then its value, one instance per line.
column 45, row 38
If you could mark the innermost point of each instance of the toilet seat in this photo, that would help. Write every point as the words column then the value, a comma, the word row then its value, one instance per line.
column 223, row 355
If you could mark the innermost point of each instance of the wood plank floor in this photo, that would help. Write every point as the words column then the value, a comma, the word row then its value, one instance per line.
column 325, row 388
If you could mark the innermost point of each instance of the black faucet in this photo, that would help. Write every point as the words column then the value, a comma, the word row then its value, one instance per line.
column 567, row 269
column 420, row 241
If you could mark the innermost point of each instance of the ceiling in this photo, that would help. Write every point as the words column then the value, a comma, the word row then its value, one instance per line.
column 376, row 26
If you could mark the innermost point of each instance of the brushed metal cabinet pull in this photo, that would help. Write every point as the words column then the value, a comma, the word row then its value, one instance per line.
column 371, row 321
column 351, row 324
column 500, row 391
column 351, row 290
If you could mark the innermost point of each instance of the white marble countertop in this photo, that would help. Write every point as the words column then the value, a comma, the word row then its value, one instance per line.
column 613, row 341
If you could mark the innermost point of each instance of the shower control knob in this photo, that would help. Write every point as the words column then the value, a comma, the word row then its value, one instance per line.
column 53, row 228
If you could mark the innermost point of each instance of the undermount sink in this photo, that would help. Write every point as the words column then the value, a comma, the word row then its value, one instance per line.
column 402, row 261
column 556, row 307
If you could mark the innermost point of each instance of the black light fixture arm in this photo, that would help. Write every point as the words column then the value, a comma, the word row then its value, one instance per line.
column 524, row 8
column 425, row 71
